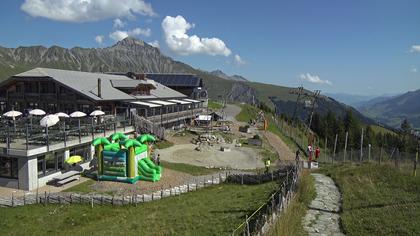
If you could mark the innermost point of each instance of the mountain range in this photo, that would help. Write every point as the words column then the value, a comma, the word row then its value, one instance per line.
column 222, row 75
column 393, row 110
column 134, row 55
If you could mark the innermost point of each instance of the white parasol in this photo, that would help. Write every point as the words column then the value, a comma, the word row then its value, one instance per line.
column 37, row 112
column 49, row 121
column 77, row 114
column 97, row 113
column 62, row 114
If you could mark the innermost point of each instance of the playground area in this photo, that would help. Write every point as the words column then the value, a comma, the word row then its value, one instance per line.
column 244, row 158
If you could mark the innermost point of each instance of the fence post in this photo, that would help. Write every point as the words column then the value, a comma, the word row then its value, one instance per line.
column 247, row 226
column 335, row 148
column 242, row 178
column 361, row 146
column 380, row 155
column 415, row 164
column 345, row 146
column 325, row 148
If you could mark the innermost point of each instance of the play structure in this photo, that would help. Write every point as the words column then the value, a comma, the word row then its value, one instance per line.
column 125, row 160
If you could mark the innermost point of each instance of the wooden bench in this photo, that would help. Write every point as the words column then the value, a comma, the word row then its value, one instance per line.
column 67, row 177
column 68, row 180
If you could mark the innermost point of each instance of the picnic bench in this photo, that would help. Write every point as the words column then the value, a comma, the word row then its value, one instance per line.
column 67, row 177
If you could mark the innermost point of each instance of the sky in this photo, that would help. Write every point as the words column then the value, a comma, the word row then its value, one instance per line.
column 355, row 47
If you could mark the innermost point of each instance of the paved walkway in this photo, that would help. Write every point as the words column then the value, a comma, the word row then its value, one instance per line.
column 323, row 216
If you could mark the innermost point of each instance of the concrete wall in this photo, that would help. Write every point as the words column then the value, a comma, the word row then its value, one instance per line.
column 9, row 183
column 28, row 173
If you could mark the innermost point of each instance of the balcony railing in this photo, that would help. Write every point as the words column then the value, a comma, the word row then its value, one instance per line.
column 175, row 115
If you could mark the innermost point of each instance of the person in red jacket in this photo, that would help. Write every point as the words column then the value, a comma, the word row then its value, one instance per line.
column 317, row 153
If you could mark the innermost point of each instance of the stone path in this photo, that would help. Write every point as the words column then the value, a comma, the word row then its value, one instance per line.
column 323, row 216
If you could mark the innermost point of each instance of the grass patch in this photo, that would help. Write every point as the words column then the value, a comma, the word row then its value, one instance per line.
column 82, row 187
column 247, row 113
column 189, row 169
column 290, row 223
column 269, row 155
column 163, row 144
column 215, row 210
column 275, row 130
column 214, row 105
column 377, row 200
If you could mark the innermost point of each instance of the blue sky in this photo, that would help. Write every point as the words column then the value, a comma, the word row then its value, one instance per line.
column 357, row 47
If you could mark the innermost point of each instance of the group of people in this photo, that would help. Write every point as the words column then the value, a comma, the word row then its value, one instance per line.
column 310, row 153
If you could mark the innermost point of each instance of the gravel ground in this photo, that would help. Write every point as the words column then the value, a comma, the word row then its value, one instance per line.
column 169, row 178
column 243, row 158
column 323, row 216
column 279, row 146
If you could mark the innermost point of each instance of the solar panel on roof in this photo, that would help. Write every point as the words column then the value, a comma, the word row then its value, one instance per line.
column 176, row 79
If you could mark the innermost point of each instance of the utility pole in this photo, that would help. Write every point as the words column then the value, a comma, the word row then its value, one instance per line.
column 315, row 97
column 298, row 92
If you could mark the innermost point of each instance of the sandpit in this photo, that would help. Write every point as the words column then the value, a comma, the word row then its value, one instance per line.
column 243, row 158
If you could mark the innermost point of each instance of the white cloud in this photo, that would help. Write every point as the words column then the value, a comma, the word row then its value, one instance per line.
column 119, row 35
column 313, row 79
column 86, row 10
column 175, row 31
column 154, row 43
column 118, row 23
column 415, row 48
column 238, row 60
column 414, row 70
column 99, row 39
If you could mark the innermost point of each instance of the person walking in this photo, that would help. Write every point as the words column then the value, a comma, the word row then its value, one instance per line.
column 158, row 160
column 317, row 153
column 267, row 165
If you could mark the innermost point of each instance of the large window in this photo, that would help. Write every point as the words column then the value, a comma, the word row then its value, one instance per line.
column 83, row 151
column 8, row 167
column 50, row 163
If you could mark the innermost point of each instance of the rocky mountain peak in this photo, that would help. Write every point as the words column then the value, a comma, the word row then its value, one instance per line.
column 130, row 42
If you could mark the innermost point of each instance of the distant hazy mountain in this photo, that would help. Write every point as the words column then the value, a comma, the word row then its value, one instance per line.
column 362, row 104
column 392, row 111
column 350, row 99
column 222, row 75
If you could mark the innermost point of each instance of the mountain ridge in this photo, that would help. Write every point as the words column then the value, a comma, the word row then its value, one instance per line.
column 135, row 55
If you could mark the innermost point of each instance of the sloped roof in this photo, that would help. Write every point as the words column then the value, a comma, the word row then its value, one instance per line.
column 87, row 82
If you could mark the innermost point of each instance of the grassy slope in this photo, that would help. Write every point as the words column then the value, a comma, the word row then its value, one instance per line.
column 377, row 200
column 379, row 129
column 214, row 105
column 290, row 223
column 247, row 112
column 189, row 169
column 216, row 210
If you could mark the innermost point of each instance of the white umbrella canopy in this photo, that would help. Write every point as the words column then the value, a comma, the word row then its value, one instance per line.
column 37, row 112
column 77, row 114
column 12, row 114
column 97, row 113
column 62, row 114
column 49, row 121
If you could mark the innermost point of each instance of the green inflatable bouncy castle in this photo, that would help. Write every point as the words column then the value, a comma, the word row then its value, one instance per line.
column 125, row 160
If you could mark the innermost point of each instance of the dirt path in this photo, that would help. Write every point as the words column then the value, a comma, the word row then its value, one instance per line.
column 323, row 216
column 279, row 146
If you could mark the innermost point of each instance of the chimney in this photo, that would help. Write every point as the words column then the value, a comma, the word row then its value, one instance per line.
column 141, row 76
column 99, row 88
